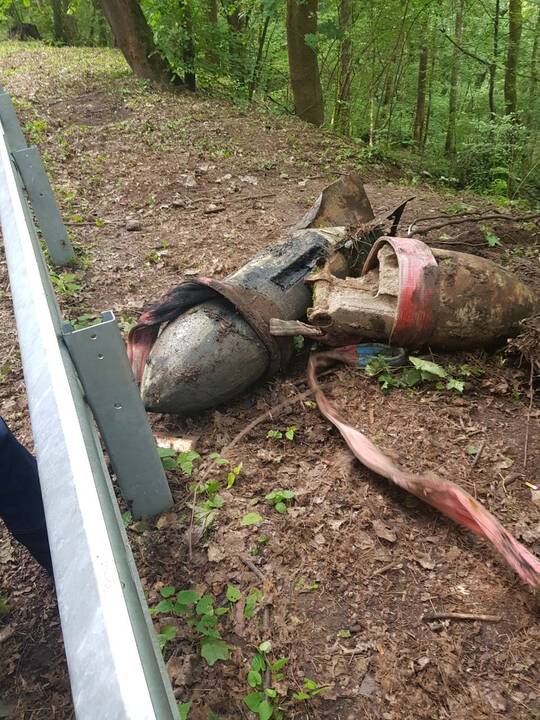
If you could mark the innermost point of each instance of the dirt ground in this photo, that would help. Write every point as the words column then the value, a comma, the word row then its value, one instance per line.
column 349, row 572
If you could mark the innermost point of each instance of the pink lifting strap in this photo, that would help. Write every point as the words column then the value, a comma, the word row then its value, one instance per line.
column 416, row 306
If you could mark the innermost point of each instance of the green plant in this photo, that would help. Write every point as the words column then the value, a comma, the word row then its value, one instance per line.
column 183, row 461
column 491, row 239
column 264, row 701
column 5, row 608
column 233, row 473
column 5, row 372
column 253, row 597
column 418, row 371
column 85, row 320
column 183, row 710
column 251, row 518
column 311, row 690
column 167, row 634
column 65, row 284
column 200, row 614
column 289, row 433
column 36, row 130
column 279, row 499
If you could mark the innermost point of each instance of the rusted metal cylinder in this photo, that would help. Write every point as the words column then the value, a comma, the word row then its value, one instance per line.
column 414, row 296
column 217, row 349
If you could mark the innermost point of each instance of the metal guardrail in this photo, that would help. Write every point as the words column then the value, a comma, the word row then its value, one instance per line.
column 115, row 666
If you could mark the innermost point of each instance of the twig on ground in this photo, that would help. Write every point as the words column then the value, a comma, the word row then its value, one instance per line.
column 461, row 616
column 252, row 197
column 386, row 568
column 272, row 413
column 529, row 411
column 267, row 677
column 471, row 217
column 6, row 633
column 477, row 456
column 254, row 569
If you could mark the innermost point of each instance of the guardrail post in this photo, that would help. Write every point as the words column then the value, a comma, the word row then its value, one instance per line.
column 46, row 210
column 99, row 355
column 10, row 123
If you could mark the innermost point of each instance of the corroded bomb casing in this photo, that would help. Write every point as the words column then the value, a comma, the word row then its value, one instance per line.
column 414, row 296
column 212, row 352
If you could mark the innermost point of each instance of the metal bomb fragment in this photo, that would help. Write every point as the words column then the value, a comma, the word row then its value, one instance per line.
column 414, row 296
column 220, row 344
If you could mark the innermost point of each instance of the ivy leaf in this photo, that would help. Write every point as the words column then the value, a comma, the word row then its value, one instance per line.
column 251, row 518
column 183, row 710
column 254, row 678
column 265, row 710
column 251, row 602
column 258, row 663
column 205, row 605
column 185, row 461
column 187, row 597
column 265, row 647
column 167, row 634
column 426, row 366
column 213, row 649
column 253, row 700
column 454, row 384
column 233, row 594
column 279, row 664
column 164, row 606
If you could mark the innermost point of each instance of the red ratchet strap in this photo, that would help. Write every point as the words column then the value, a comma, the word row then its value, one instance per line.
column 416, row 308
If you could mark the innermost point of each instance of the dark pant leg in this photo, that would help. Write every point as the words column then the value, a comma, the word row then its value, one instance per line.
column 21, row 506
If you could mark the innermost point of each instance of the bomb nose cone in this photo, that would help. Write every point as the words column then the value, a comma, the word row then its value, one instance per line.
column 205, row 357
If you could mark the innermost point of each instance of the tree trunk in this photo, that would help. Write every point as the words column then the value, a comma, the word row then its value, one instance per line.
column 258, row 60
column 493, row 64
column 59, row 32
column 303, row 65
column 342, row 111
column 533, row 81
column 514, row 38
column 450, row 146
column 433, row 53
column 188, row 50
column 212, row 54
column 134, row 38
column 237, row 23
column 420, row 114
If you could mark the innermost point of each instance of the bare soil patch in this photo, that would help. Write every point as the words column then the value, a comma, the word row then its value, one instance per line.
column 354, row 565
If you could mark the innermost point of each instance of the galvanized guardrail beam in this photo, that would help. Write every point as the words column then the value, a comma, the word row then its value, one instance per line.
column 115, row 666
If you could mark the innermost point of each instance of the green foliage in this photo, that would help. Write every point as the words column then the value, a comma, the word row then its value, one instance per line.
column 5, row 608
column 251, row 518
column 184, row 461
column 65, row 284
column 418, row 372
column 183, row 710
column 279, row 499
column 85, row 320
column 264, row 702
column 311, row 690
column 289, row 433
column 254, row 596
column 493, row 159
column 200, row 614
column 5, row 372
